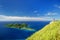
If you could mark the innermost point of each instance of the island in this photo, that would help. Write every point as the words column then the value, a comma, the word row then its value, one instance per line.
column 22, row 26
column 49, row 32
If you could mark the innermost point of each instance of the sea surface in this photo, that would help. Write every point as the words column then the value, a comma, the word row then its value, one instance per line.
column 17, row 34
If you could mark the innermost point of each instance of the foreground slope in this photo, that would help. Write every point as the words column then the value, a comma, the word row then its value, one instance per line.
column 49, row 32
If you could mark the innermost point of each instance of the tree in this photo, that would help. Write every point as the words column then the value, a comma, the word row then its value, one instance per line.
column 24, row 25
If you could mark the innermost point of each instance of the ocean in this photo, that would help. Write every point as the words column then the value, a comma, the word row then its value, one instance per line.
column 13, row 33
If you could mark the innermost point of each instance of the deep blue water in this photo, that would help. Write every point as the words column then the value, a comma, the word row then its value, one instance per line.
column 12, row 33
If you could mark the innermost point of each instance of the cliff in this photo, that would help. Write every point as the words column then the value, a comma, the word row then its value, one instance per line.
column 49, row 32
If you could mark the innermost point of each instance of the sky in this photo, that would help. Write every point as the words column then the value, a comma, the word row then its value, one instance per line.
column 29, row 10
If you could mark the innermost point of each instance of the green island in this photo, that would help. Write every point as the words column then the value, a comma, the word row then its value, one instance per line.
column 49, row 32
column 22, row 26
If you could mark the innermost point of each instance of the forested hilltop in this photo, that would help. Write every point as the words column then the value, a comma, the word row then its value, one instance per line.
column 22, row 26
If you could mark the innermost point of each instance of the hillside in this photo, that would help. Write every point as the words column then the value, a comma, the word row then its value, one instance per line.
column 49, row 32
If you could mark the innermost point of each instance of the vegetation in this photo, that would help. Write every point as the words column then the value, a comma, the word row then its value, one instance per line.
column 19, row 26
column 49, row 32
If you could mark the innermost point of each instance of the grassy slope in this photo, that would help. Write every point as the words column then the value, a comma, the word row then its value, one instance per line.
column 49, row 32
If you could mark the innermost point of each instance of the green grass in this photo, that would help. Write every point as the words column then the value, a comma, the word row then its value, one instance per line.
column 49, row 32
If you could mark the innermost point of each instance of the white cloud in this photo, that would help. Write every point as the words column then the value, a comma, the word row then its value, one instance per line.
column 35, row 11
column 38, row 14
column 51, row 14
column 17, row 18
column 58, row 6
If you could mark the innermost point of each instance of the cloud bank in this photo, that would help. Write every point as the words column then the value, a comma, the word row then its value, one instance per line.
column 18, row 18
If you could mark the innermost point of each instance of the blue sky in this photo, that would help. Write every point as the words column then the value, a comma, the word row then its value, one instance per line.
column 30, row 8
